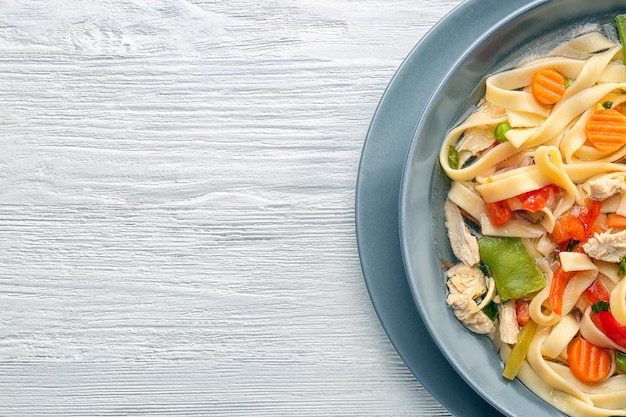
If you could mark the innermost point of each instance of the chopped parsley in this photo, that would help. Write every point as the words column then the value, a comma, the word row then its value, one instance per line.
column 599, row 306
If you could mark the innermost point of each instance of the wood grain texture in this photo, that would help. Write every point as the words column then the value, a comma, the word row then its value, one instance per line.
column 177, row 207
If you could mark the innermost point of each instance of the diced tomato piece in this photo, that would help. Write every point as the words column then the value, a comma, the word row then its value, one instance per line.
column 596, row 292
column 537, row 199
column 499, row 212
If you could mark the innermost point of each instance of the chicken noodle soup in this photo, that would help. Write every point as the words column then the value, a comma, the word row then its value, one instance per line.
column 536, row 216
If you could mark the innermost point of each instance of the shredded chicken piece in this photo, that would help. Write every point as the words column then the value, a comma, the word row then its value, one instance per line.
column 476, row 140
column 602, row 188
column 509, row 328
column 607, row 246
column 464, row 244
column 468, row 280
column 467, row 283
column 465, row 310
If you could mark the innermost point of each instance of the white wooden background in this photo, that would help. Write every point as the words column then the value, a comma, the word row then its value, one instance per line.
column 177, row 185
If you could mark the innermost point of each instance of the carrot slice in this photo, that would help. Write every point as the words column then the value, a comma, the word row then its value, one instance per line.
column 588, row 362
column 548, row 86
column 606, row 130
column 615, row 220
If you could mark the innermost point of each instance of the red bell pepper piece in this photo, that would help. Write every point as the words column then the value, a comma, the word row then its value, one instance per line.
column 589, row 217
column 596, row 292
column 522, row 311
column 607, row 324
column 560, row 279
column 568, row 227
column 537, row 199
column 499, row 212
column 604, row 320
column 578, row 227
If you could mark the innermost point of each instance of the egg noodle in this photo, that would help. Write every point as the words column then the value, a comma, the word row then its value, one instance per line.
column 564, row 198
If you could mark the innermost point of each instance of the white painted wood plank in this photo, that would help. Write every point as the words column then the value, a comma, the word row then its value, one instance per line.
column 176, row 220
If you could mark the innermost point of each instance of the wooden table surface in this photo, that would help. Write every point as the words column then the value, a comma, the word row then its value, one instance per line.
column 177, row 185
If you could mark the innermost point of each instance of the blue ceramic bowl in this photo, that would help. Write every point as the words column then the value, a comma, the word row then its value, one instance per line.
column 533, row 28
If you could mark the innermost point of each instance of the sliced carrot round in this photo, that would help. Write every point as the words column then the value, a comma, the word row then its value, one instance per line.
column 588, row 362
column 548, row 86
column 606, row 130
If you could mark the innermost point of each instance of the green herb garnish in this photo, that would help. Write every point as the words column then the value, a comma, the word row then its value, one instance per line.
column 599, row 306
